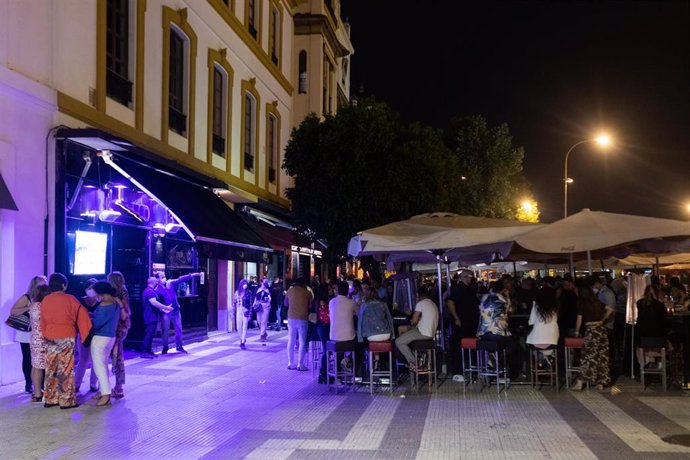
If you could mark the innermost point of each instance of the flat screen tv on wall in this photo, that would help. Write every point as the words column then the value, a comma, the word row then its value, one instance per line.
column 90, row 251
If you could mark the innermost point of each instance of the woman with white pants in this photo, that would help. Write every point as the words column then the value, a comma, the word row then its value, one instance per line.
column 105, row 320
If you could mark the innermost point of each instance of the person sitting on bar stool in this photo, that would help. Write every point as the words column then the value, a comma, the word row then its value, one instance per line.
column 493, row 324
column 424, row 324
column 375, row 321
column 342, row 312
column 544, row 321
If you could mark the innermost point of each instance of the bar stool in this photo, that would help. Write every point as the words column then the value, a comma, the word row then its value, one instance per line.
column 551, row 372
column 333, row 368
column 486, row 349
column 654, row 344
column 425, row 349
column 315, row 352
column 380, row 347
column 571, row 344
column 468, row 344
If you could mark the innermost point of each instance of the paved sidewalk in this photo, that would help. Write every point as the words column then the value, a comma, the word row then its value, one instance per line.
column 219, row 402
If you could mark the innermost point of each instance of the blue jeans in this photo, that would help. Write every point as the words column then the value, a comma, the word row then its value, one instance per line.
column 297, row 332
column 176, row 317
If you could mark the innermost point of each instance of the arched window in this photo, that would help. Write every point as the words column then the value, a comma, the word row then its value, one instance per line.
column 177, row 77
column 302, row 72
column 249, row 131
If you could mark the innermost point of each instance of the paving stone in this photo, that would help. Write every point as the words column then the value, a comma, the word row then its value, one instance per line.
column 220, row 402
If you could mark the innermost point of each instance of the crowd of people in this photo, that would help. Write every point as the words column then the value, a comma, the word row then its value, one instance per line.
column 542, row 312
column 61, row 326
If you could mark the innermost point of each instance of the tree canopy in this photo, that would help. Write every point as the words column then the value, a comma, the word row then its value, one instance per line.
column 364, row 167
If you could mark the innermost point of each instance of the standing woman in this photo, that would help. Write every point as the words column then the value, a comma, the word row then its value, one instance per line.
column 243, row 310
column 117, row 280
column 595, row 355
column 105, row 321
column 21, row 307
column 61, row 316
column 38, row 346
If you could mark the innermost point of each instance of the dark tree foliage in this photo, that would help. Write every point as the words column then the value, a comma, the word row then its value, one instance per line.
column 364, row 167
column 492, row 167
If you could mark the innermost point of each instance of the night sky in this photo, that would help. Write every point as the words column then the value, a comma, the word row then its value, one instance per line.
column 556, row 72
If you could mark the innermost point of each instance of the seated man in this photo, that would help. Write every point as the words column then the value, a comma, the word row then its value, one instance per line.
column 493, row 324
column 342, row 312
column 424, row 325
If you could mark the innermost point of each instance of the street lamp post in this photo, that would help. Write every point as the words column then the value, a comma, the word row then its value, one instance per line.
column 603, row 140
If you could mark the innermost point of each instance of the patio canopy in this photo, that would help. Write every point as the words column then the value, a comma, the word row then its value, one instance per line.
column 609, row 234
column 467, row 239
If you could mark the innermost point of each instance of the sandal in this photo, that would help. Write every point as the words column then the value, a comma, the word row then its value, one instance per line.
column 36, row 399
column 118, row 394
column 103, row 401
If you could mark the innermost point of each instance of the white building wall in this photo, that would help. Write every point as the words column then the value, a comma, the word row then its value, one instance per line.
column 26, row 115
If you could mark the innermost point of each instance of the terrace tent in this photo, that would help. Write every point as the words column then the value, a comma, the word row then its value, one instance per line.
column 603, row 235
column 429, row 238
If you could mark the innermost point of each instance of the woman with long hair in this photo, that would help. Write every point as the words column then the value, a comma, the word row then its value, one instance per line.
column 38, row 346
column 544, row 321
column 242, row 305
column 105, row 321
column 651, row 322
column 117, row 281
column 592, row 314
column 21, row 307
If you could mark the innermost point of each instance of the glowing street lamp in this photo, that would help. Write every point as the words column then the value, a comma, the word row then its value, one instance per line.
column 602, row 140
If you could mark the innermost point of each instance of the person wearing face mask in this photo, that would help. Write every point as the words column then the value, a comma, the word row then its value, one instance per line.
column 89, row 301
column 105, row 320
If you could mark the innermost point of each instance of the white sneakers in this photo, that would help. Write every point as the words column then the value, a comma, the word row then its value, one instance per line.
column 459, row 378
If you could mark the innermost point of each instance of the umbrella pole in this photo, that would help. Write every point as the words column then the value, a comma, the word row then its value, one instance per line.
column 589, row 262
column 444, row 366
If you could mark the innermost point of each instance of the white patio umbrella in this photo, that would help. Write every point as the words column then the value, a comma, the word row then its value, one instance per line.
column 608, row 233
column 429, row 238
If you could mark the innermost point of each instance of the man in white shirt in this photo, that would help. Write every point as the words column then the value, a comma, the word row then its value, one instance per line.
column 342, row 312
column 424, row 322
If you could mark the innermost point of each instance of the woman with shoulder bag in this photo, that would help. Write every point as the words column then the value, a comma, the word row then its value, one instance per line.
column 21, row 307
column 38, row 346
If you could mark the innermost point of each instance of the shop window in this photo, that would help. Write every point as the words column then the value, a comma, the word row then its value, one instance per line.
column 177, row 85
column 249, row 131
column 118, row 85
column 219, row 111
column 272, row 147
column 302, row 64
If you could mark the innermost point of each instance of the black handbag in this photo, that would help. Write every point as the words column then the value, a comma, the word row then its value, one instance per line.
column 19, row 322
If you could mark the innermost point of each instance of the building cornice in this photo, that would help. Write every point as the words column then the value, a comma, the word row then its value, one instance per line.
column 313, row 24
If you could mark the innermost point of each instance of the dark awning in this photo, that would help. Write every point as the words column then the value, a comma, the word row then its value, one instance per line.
column 278, row 237
column 204, row 214
column 187, row 194
column 6, row 200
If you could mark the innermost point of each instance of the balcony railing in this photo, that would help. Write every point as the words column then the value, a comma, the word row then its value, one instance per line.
column 118, row 88
column 177, row 121
column 219, row 145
